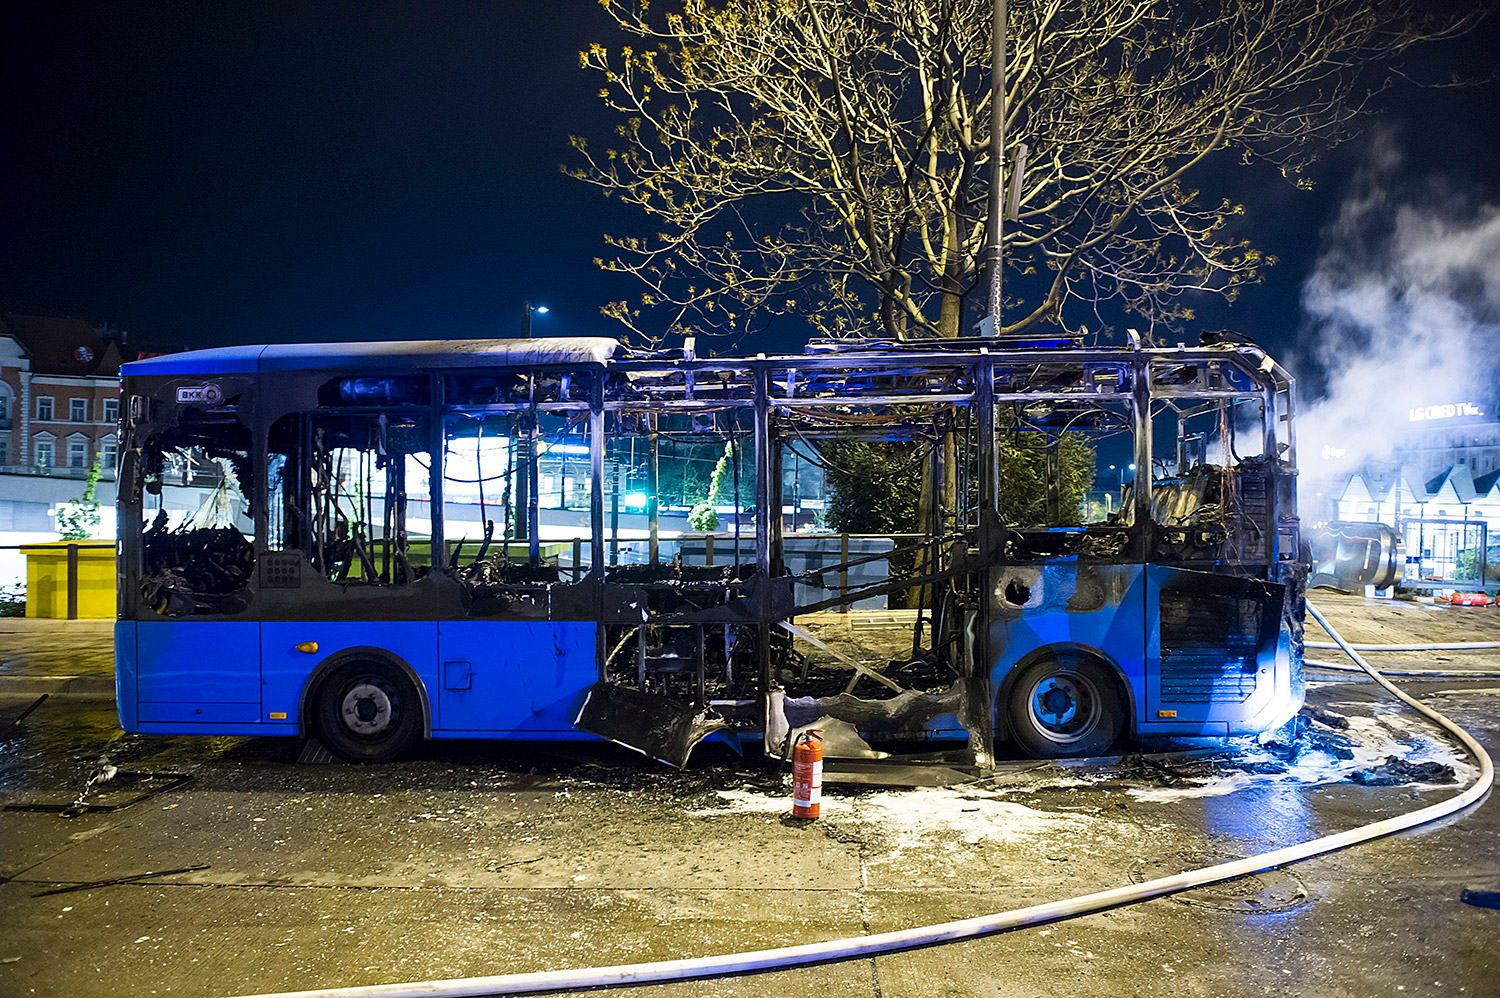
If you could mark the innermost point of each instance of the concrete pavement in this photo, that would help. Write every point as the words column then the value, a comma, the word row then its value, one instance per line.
column 483, row 858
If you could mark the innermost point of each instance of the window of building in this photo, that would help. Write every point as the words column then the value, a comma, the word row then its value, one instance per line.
column 42, row 451
column 109, row 453
column 4, row 452
column 78, row 451
column 78, row 410
column 111, row 410
column 44, row 407
column 4, row 403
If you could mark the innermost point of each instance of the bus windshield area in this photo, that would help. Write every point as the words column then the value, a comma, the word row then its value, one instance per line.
column 197, row 549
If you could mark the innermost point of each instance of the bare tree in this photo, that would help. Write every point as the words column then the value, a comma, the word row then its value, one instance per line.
column 830, row 158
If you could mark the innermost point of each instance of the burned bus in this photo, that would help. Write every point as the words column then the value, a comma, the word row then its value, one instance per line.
column 378, row 543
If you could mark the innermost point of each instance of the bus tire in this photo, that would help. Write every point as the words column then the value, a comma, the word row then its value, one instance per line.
column 1067, row 705
column 368, row 711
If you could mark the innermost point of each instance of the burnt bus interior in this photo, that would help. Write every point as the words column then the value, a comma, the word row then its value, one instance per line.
column 415, row 493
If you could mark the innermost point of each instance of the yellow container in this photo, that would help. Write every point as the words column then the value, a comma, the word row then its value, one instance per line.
column 47, row 579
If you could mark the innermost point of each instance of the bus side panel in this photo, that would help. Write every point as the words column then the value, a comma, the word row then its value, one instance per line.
column 514, row 676
column 1221, row 669
column 1099, row 607
column 285, row 670
column 125, row 675
column 197, row 672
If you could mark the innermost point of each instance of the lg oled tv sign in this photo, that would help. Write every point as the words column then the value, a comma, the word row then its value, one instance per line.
column 1447, row 410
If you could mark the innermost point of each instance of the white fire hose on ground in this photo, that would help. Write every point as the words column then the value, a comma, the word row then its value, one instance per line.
column 1416, row 673
column 1318, row 665
column 785, row 957
column 1446, row 646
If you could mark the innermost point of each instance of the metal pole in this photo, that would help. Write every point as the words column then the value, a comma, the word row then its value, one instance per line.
column 994, row 250
column 526, row 320
column 653, row 482
column 1140, row 403
column 1484, row 552
column 533, row 506
column 990, row 544
column 72, row 581
column 763, row 467
column 988, row 464
column 844, row 572
column 614, row 514
column 596, row 477
column 437, row 547
column 761, row 427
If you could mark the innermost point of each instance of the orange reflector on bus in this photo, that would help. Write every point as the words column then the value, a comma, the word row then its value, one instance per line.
column 1160, row 713
column 307, row 647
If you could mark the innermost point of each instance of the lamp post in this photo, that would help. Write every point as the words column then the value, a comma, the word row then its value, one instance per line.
column 994, row 242
column 526, row 317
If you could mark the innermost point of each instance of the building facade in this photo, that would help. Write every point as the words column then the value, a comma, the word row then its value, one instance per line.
column 59, row 413
column 59, row 397
column 1445, row 435
column 1441, row 491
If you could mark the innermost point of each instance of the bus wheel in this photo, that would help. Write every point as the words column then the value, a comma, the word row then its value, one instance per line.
column 1066, row 705
column 368, row 711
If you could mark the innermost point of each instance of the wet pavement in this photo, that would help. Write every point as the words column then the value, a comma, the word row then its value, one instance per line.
column 484, row 858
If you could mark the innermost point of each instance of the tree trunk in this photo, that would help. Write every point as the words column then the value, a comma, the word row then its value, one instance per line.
column 950, row 319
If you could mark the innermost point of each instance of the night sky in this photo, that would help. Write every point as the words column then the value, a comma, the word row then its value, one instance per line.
column 205, row 174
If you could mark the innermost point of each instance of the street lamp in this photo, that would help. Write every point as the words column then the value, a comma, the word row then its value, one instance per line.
column 526, row 318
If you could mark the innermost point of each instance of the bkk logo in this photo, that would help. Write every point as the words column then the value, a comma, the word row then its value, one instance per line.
column 209, row 395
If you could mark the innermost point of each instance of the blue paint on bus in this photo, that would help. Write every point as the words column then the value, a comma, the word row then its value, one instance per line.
column 516, row 679
column 513, row 676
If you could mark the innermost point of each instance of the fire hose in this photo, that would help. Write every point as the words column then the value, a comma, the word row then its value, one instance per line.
column 1318, row 665
column 1443, row 646
column 1417, row 673
column 832, row 951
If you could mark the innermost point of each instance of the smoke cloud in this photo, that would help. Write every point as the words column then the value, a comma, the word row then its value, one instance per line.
column 1403, row 313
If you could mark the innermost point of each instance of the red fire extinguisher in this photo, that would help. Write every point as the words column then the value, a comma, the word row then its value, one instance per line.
column 807, row 774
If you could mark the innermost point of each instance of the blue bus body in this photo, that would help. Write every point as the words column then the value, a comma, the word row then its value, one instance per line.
column 527, row 684
column 308, row 547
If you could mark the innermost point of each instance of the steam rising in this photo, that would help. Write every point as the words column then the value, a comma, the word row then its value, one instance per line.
column 1405, row 307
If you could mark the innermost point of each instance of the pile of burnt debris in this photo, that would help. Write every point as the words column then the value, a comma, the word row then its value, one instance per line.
column 804, row 676
column 675, row 572
column 1312, row 731
column 1318, row 730
column 488, row 577
column 1103, row 542
column 1314, row 736
column 204, row 570
column 1396, row 771
column 494, row 571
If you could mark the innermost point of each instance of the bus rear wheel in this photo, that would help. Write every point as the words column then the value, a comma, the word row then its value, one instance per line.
column 368, row 711
column 1065, row 706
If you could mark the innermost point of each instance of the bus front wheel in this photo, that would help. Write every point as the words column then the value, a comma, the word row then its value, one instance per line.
column 368, row 711
column 1065, row 706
